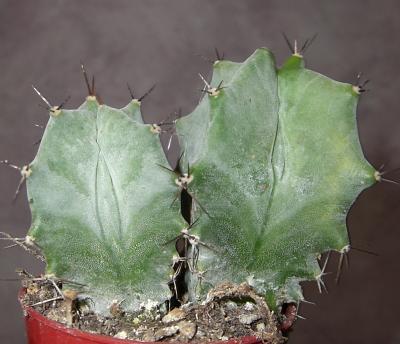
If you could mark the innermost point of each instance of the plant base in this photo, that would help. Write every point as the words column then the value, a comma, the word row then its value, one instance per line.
column 248, row 308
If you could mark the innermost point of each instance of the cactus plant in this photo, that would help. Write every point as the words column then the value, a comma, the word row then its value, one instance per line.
column 270, row 165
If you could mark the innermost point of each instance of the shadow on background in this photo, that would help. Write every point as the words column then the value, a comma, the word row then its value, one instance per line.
column 145, row 42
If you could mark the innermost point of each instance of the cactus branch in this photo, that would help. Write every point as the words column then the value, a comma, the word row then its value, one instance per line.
column 277, row 151
column 119, row 154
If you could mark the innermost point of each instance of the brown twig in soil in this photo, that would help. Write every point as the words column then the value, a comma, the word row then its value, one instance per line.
column 46, row 301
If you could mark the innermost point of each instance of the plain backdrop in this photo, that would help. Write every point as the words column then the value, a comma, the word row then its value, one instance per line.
column 144, row 42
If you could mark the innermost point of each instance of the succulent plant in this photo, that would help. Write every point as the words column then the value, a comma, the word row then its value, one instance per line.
column 270, row 165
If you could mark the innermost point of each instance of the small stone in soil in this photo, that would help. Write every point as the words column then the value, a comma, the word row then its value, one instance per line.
column 166, row 332
column 230, row 305
column 187, row 329
column 260, row 327
column 121, row 335
column 248, row 306
column 174, row 315
column 248, row 319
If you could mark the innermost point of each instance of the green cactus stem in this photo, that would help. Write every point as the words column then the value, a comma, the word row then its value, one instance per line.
column 276, row 161
column 101, row 204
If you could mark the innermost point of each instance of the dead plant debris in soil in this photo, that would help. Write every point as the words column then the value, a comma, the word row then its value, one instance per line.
column 229, row 311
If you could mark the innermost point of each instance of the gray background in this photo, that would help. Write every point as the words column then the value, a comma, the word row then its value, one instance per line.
column 143, row 42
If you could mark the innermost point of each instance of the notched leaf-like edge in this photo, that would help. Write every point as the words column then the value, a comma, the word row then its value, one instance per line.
column 159, row 289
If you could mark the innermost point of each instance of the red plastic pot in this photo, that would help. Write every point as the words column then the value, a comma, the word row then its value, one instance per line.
column 41, row 330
